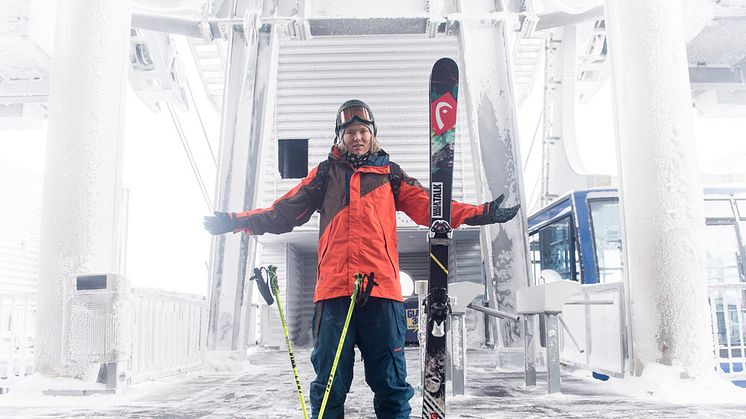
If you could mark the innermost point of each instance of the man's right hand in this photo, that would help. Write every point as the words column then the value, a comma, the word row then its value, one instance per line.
column 222, row 222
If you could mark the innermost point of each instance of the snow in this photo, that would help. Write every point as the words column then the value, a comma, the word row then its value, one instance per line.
column 662, row 383
column 262, row 386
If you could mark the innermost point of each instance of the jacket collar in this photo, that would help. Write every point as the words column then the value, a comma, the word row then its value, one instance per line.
column 379, row 158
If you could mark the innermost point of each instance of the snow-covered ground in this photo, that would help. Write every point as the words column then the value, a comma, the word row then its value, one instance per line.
column 263, row 387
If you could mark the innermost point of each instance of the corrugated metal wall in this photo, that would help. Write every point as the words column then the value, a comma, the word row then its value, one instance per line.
column 296, row 274
column 303, row 311
column 465, row 264
column 271, row 331
column 20, row 219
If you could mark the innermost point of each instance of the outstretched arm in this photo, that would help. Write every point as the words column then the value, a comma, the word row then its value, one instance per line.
column 290, row 210
column 414, row 200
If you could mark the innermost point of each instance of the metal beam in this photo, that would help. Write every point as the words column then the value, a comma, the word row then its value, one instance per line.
column 371, row 26
column 489, row 103
column 166, row 23
column 717, row 78
column 252, row 55
column 212, row 27
column 561, row 19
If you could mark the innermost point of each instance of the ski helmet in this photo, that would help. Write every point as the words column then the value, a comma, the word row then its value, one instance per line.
column 354, row 110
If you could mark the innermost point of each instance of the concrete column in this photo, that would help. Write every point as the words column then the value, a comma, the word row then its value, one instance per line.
column 82, row 177
column 661, row 195
column 490, row 105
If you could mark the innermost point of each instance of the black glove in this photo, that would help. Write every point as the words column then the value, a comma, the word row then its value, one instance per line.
column 501, row 215
column 222, row 222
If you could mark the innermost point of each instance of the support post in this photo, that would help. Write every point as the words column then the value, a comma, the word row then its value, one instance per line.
column 661, row 195
column 81, row 205
column 421, row 290
column 529, row 360
column 246, row 101
column 553, row 351
column 458, row 353
column 490, row 107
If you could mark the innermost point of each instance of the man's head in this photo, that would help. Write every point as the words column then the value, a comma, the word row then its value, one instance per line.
column 355, row 127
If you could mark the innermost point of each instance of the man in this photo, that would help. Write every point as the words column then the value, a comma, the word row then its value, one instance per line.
column 358, row 191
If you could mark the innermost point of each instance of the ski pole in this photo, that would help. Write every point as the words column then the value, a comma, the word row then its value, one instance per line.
column 358, row 280
column 273, row 283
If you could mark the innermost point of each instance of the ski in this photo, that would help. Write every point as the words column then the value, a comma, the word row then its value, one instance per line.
column 443, row 101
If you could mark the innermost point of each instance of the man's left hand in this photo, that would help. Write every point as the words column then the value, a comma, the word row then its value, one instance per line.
column 501, row 215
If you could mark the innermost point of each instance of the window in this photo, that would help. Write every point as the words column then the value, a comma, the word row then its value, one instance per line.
column 741, row 204
column 723, row 260
column 718, row 208
column 607, row 239
column 553, row 248
column 292, row 158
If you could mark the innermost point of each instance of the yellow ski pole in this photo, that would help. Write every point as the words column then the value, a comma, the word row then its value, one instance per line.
column 358, row 280
column 272, row 273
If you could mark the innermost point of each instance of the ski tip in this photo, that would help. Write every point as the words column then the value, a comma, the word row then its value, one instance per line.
column 446, row 63
column 444, row 60
column 445, row 71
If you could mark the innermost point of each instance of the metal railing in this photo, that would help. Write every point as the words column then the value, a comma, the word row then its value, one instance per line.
column 727, row 309
column 599, row 330
column 17, row 315
column 168, row 333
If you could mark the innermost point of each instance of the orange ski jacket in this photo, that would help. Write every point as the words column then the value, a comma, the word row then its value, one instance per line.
column 357, row 227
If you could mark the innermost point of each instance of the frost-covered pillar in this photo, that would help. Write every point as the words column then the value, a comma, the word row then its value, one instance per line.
column 490, row 106
column 661, row 197
column 246, row 120
column 82, row 175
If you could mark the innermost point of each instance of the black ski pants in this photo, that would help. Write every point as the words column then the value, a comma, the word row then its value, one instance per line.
column 378, row 329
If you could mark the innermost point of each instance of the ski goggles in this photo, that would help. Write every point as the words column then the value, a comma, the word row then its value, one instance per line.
column 346, row 115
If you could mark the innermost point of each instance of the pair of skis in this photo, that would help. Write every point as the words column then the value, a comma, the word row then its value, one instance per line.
column 443, row 104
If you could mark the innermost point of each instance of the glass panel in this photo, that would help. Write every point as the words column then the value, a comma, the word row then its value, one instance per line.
column 729, row 312
column 554, row 248
column 535, row 249
column 723, row 258
column 719, row 208
column 607, row 239
column 741, row 204
column 292, row 158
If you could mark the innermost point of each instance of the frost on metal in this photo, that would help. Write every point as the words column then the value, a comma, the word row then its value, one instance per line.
column 661, row 197
column 491, row 111
column 82, row 181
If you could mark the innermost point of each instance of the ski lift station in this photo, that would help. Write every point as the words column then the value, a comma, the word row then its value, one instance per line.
column 617, row 125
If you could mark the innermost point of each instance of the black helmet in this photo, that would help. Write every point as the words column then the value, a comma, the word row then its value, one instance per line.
column 354, row 110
